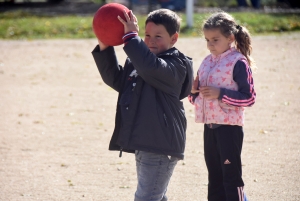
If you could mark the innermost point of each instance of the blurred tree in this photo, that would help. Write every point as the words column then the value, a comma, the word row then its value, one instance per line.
column 243, row 3
column 100, row 1
column 8, row 2
column 130, row 4
column 294, row 3
column 151, row 5
column 54, row 1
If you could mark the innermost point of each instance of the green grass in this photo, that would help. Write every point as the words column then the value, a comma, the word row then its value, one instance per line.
column 21, row 25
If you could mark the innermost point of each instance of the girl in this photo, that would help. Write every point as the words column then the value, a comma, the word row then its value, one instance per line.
column 222, row 88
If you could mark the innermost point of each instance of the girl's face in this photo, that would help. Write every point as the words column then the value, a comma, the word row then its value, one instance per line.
column 158, row 39
column 216, row 42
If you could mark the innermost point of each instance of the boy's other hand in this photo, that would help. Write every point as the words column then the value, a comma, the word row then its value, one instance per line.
column 102, row 46
column 210, row 92
column 195, row 85
column 131, row 23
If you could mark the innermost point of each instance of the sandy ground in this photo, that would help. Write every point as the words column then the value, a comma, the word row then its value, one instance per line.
column 57, row 117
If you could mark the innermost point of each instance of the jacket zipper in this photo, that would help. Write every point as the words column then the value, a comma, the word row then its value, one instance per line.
column 133, row 86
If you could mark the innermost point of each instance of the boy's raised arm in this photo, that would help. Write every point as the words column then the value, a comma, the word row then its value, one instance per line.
column 108, row 67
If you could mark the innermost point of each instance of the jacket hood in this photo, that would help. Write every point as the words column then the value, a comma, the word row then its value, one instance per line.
column 188, row 82
column 188, row 63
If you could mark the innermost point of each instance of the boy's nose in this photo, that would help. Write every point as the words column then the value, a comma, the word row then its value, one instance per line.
column 151, row 40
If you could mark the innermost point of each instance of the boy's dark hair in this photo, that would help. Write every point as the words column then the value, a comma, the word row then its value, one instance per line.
column 169, row 19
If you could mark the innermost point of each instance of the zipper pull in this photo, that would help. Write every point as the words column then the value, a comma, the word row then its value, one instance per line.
column 120, row 154
column 133, row 86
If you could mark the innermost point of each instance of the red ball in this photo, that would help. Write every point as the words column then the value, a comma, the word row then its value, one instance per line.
column 106, row 25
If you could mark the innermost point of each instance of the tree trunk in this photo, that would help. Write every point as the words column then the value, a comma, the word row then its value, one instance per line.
column 151, row 4
column 130, row 5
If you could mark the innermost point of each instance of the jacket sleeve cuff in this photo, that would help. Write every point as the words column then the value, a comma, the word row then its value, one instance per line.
column 128, row 36
column 192, row 97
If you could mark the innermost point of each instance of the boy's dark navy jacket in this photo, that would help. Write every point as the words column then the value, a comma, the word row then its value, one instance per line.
column 154, row 120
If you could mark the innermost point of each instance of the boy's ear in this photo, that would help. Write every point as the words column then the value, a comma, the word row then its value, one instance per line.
column 174, row 38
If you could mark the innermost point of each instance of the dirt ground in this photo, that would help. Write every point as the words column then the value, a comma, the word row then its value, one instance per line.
column 57, row 117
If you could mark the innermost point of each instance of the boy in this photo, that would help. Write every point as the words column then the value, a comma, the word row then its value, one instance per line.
column 150, row 119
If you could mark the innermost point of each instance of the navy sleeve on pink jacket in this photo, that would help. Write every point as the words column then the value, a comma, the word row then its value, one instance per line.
column 245, row 96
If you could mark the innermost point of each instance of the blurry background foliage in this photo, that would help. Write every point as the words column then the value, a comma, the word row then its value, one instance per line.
column 215, row 3
column 25, row 25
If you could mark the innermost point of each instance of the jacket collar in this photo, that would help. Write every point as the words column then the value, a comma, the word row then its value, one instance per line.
column 170, row 51
column 216, row 58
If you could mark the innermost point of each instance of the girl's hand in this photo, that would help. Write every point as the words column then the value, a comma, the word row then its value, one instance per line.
column 102, row 45
column 210, row 92
column 195, row 85
column 130, row 24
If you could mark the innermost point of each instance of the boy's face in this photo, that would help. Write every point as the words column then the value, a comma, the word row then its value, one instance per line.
column 216, row 42
column 158, row 39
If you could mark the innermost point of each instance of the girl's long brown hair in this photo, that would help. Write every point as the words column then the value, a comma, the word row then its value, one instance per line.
column 227, row 26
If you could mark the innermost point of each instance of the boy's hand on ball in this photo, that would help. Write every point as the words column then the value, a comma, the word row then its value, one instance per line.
column 210, row 92
column 130, row 24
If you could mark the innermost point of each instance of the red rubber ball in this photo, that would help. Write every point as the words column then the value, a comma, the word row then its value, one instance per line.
column 106, row 25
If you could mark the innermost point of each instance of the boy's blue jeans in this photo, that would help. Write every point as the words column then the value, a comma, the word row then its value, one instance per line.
column 154, row 172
